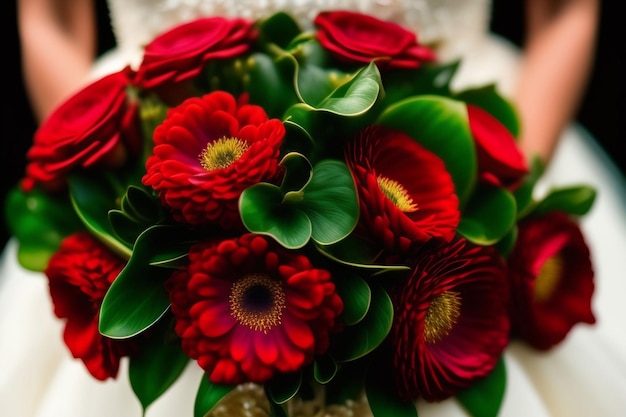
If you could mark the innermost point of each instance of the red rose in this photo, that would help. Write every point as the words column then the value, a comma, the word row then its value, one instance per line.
column 79, row 274
column 355, row 37
column 206, row 152
column 180, row 53
column 95, row 127
column 500, row 162
column 552, row 280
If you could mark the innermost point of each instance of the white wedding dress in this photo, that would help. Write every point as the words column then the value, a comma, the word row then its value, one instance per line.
column 584, row 376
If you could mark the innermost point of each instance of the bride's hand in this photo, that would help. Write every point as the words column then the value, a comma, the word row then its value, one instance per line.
column 558, row 57
column 58, row 40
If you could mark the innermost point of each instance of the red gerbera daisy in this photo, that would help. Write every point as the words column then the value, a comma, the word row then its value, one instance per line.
column 451, row 324
column 246, row 309
column 406, row 194
column 79, row 274
column 207, row 151
column 552, row 278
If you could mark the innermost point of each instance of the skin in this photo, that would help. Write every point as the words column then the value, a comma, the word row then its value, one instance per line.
column 58, row 40
column 558, row 55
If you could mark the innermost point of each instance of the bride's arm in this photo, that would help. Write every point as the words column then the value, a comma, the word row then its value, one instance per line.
column 58, row 44
column 559, row 51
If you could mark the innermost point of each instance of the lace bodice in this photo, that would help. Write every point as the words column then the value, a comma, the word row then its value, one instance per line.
column 451, row 25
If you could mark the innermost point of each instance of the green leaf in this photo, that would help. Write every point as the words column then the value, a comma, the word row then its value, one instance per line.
column 262, row 212
column 137, row 298
column 139, row 210
column 298, row 172
column 489, row 216
column 489, row 99
column 433, row 79
column 356, row 252
column 283, row 387
column 355, row 294
column 40, row 222
column 441, row 125
column 280, row 28
column 382, row 395
column 524, row 193
column 575, row 199
column 156, row 367
column 331, row 203
column 356, row 96
column 484, row 397
column 92, row 198
column 348, row 382
column 208, row 395
column 365, row 336
column 269, row 85
column 326, row 209
column 324, row 369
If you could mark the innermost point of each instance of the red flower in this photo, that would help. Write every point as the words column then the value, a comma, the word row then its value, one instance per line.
column 207, row 151
column 500, row 162
column 79, row 274
column 451, row 324
column 246, row 309
column 406, row 194
column 180, row 53
column 552, row 278
column 95, row 127
column 360, row 38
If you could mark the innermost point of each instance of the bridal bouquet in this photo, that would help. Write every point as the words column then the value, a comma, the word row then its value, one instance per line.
column 317, row 214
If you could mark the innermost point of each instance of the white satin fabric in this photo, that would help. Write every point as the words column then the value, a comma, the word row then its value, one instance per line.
column 582, row 377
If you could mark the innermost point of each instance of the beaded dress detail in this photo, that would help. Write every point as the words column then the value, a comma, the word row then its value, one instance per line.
column 449, row 25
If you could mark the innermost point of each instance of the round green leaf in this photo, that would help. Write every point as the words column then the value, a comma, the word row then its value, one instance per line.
column 330, row 201
column 262, row 212
column 441, row 125
column 489, row 216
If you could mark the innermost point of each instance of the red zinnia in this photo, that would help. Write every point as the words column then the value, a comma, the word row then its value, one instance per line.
column 406, row 194
column 552, row 278
column 451, row 324
column 246, row 309
column 206, row 152
column 79, row 274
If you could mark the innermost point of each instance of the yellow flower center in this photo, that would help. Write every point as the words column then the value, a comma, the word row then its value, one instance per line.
column 548, row 278
column 441, row 316
column 257, row 301
column 222, row 153
column 397, row 194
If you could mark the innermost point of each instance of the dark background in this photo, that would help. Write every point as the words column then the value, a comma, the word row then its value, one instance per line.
column 603, row 111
